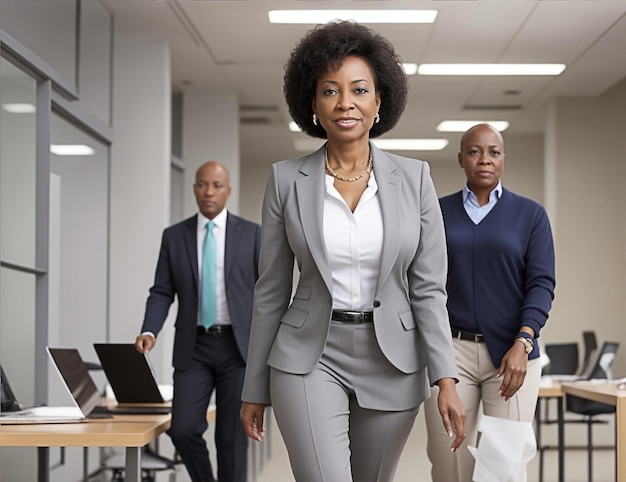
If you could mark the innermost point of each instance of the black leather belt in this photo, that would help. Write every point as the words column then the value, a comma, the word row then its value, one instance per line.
column 475, row 337
column 353, row 316
column 214, row 329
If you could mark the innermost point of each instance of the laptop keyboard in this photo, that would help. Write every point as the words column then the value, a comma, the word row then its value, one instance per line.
column 139, row 410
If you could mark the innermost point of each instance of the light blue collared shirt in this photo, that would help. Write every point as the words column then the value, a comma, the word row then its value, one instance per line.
column 475, row 211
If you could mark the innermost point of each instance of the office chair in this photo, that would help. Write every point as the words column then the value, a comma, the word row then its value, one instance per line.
column 151, row 463
column 590, row 346
column 563, row 361
column 589, row 409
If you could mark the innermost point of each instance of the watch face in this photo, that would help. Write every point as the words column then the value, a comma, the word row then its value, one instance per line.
column 528, row 345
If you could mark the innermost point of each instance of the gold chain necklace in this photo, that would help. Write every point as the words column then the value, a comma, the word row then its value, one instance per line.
column 333, row 173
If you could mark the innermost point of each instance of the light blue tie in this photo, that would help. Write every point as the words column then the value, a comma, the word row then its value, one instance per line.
column 208, row 298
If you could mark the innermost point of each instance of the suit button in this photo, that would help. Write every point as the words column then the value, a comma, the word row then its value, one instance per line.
column 376, row 303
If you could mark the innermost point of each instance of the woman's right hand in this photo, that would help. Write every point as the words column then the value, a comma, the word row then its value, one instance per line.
column 252, row 418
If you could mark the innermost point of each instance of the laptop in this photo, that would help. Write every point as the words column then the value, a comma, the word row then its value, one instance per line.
column 600, row 369
column 78, row 383
column 132, row 380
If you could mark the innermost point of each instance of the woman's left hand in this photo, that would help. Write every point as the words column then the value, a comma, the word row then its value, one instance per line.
column 452, row 412
column 513, row 370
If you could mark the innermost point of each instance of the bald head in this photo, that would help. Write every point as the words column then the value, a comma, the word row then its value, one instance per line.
column 482, row 158
column 212, row 188
column 480, row 130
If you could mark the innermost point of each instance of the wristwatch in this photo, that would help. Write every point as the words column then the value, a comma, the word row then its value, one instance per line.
column 528, row 343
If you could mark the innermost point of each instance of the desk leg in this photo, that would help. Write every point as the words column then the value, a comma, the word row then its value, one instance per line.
column 620, row 435
column 561, row 439
column 43, row 464
column 133, row 464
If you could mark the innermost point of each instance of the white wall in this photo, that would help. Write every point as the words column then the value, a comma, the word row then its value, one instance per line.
column 140, row 181
column 210, row 132
column 587, row 149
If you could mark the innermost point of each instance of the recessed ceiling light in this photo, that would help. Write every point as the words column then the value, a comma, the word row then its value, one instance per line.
column 410, row 69
column 19, row 108
column 71, row 150
column 463, row 125
column 362, row 16
column 410, row 144
column 293, row 127
column 490, row 69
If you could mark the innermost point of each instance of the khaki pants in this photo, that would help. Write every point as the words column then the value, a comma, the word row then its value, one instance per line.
column 477, row 383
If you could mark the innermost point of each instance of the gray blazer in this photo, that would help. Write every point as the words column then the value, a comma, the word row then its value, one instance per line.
column 410, row 316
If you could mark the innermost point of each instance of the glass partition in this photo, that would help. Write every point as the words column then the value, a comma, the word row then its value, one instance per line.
column 17, row 166
column 81, row 227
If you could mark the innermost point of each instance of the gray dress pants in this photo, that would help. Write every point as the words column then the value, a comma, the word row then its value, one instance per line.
column 334, row 420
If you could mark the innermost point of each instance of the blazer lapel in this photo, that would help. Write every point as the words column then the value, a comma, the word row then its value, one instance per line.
column 390, row 193
column 191, row 246
column 233, row 233
column 310, row 194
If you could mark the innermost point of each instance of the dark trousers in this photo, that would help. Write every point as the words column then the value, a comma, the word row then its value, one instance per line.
column 216, row 365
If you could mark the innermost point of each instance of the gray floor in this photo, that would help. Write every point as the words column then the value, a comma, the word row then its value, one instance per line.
column 414, row 465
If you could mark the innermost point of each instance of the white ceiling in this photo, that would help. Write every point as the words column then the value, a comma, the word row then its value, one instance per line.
column 231, row 45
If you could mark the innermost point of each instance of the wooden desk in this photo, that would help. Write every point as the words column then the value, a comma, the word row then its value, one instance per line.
column 130, row 431
column 552, row 389
column 606, row 392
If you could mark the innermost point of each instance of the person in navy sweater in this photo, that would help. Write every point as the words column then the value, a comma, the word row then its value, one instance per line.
column 500, row 289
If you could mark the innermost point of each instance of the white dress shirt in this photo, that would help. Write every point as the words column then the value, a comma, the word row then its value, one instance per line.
column 219, row 230
column 475, row 211
column 354, row 242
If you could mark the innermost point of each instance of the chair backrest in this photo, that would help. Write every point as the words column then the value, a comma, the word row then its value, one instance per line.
column 590, row 345
column 563, row 358
column 8, row 401
column 602, row 367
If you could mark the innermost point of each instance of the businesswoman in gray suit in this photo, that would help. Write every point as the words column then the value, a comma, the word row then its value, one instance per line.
column 344, row 361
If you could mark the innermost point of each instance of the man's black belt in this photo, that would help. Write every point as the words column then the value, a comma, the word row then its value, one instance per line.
column 475, row 337
column 213, row 329
column 353, row 316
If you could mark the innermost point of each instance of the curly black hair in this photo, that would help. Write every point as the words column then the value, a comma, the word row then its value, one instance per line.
column 326, row 46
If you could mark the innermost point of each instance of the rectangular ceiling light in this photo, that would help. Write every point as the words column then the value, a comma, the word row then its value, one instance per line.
column 71, row 150
column 490, row 69
column 410, row 144
column 410, row 69
column 362, row 16
column 463, row 125
column 19, row 108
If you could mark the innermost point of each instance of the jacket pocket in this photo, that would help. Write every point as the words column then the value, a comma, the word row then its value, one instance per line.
column 406, row 317
column 302, row 293
column 295, row 317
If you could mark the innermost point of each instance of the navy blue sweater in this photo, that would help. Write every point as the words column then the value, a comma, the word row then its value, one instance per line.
column 501, row 271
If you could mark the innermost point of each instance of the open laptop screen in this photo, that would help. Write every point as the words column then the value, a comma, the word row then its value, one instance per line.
column 79, row 383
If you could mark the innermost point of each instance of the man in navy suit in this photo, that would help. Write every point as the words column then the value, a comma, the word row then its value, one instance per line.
column 207, row 359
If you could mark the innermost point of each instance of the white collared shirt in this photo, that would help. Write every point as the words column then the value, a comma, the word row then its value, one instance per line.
column 354, row 242
column 475, row 211
column 219, row 230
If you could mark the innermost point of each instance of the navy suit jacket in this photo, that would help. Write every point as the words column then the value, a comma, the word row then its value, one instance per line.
column 177, row 276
